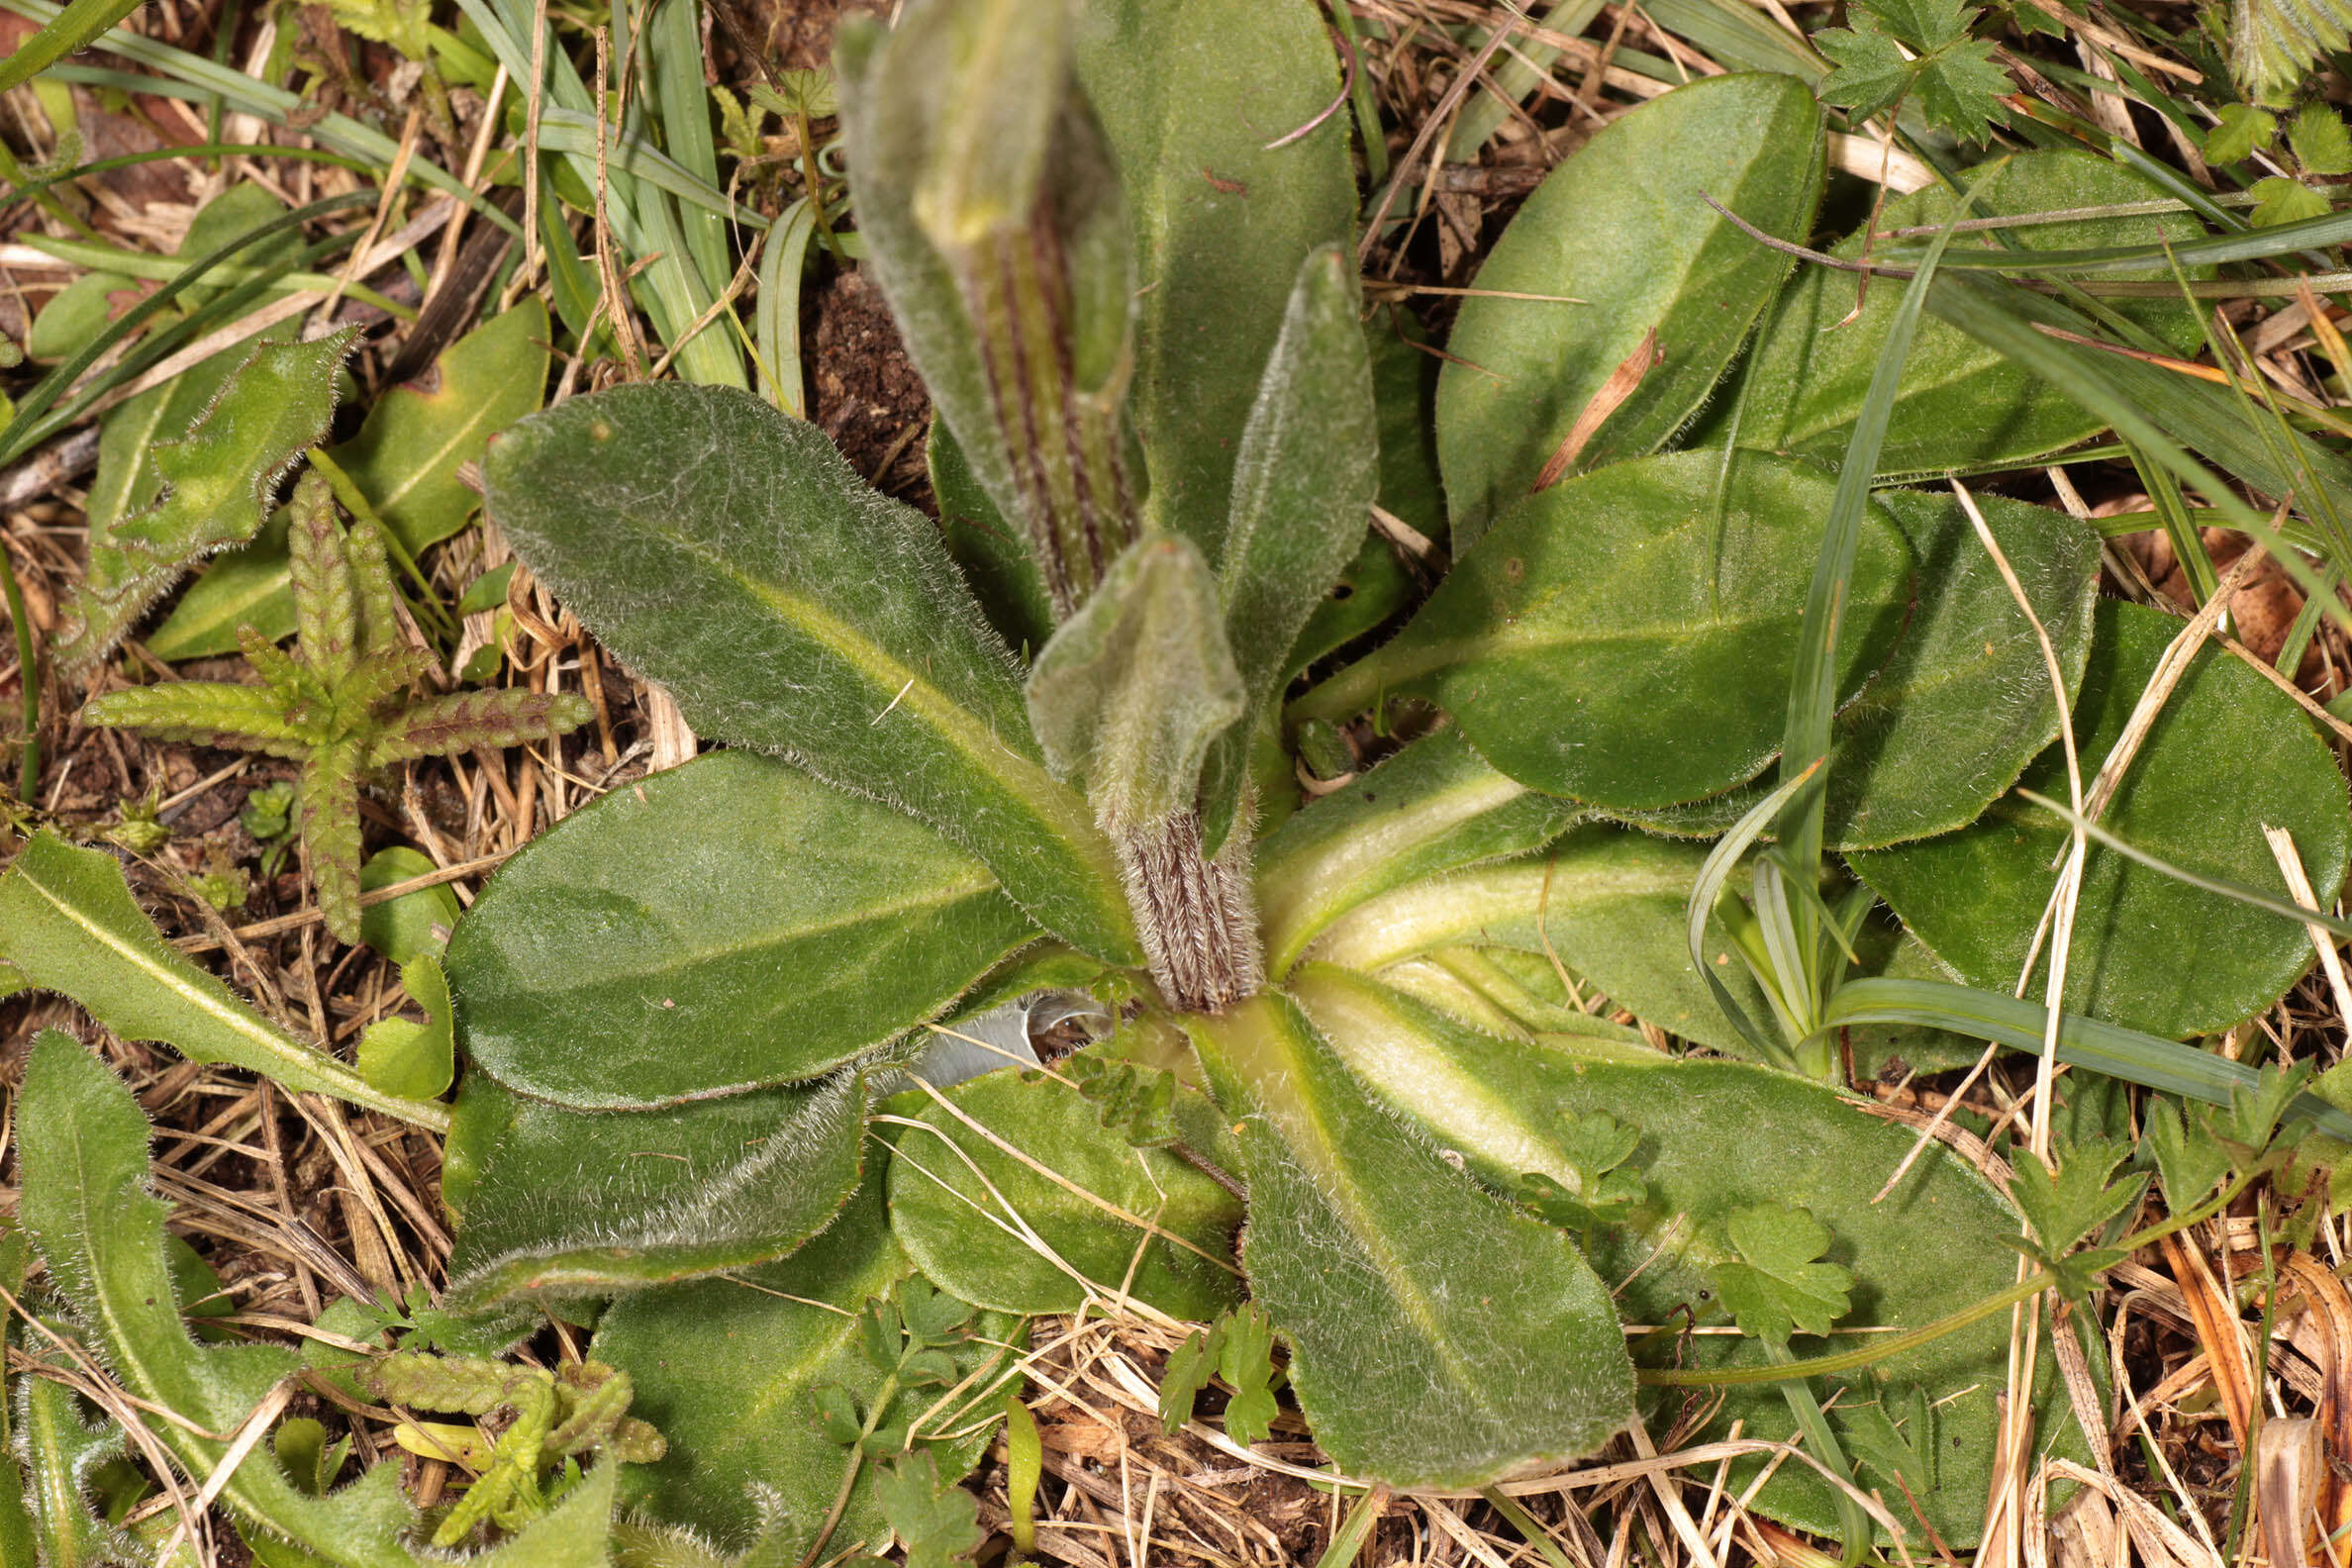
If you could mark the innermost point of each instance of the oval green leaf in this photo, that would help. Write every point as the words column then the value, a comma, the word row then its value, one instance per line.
column 1964, row 703
column 2227, row 757
column 730, row 552
column 407, row 455
column 1627, row 639
column 729, row 1370
column 960, row 1197
column 1623, row 229
column 1962, row 405
column 721, row 927
column 1939, row 1242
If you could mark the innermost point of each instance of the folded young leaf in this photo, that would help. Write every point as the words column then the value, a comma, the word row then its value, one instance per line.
column 1621, row 229
column 83, row 1144
column 993, row 215
column 1434, row 807
column 69, row 924
column 407, row 455
column 1939, row 1242
column 556, row 1203
column 2227, row 755
column 958, row 1201
column 728, row 552
column 1627, row 637
column 721, row 927
column 743, row 1374
column 1198, row 100
column 404, row 1057
column 217, row 479
column 1303, row 486
column 1134, row 687
column 1437, row 1338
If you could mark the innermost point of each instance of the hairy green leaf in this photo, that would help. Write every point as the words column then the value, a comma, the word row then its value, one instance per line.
column 720, row 927
column 216, row 473
column 728, row 552
column 2227, row 756
column 560, row 1203
column 1437, row 1338
column 1621, row 229
column 984, row 1222
column 1937, row 1243
column 68, row 922
column 1626, row 638
column 729, row 1371
column 83, row 1144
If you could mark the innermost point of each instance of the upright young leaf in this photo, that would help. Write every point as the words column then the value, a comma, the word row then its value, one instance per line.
column 69, row 924
column 1133, row 689
column 407, row 455
column 728, row 551
column 217, row 477
column 993, row 214
column 729, row 925
column 1622, row 229
column 1437, row 1339
column 1302, row 487
column 1196, row 99
column 83, row 1144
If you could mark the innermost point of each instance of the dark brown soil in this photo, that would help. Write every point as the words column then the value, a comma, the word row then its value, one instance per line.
column 864, row 393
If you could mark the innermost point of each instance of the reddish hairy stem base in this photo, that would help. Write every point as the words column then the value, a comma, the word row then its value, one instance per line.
column 1197, row 917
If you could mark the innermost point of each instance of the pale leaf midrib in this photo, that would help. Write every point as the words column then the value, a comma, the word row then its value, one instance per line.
column 323, row 1068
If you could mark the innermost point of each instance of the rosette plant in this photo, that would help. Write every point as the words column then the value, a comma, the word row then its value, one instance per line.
column 1350, row 1070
